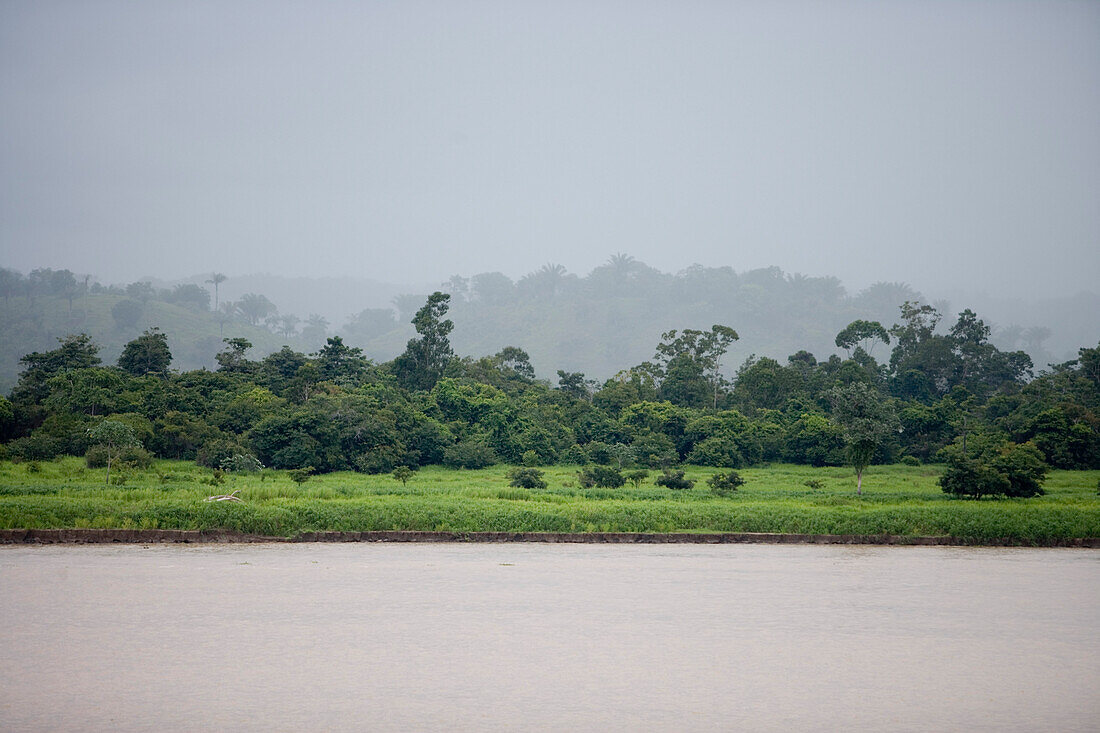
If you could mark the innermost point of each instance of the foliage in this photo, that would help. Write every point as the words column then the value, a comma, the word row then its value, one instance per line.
column 604, row 477
column 673, row 479
column 469, row 454
column 725, row 484
column 636, row 477
column 113, row 436
column 526, row 478
column 134, row 455
column 403, row 474
column 147, row 354
column 996, row 467
column 241, row 463
column 425, row 358
column 300, row 475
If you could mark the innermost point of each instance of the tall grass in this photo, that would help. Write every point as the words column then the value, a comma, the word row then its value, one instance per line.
column 899, row 500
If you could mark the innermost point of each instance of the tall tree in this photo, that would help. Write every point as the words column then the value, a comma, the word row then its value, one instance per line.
column 147, row 354
column 115, row 436
column 425, row 358
column 216, row 279
column 867, row 420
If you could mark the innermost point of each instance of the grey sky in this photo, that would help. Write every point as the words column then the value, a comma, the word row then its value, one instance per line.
column 945, row 144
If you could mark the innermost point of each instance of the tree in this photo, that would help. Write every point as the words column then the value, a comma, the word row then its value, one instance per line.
column 724, row 484
column 526, row 478
column 336, row 361
column 998, row 467
column 425, row 358
column 674, row 479
column 255, row 307
column 300, row 475
column 190, row 295
column 232, row 358
column 147, row 354
column 689, row 359
column 115, row 436
column 861, row 332
column 403, row 474
column 76, row 351
column 127, row 313
column 216, row 279
column 574, row 385
column 867, row 421
column 514, row 359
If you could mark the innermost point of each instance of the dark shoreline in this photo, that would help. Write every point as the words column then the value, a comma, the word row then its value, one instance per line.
column 146, row 536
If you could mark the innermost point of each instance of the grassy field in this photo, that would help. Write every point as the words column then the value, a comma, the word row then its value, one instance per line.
column 903, row 500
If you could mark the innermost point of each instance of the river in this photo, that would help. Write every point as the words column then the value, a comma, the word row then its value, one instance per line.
column 548, row 637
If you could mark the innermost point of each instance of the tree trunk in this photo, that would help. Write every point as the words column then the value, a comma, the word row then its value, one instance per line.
column 859, row 482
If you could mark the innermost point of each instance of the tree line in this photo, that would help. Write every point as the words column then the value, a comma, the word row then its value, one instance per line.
column 938, row 395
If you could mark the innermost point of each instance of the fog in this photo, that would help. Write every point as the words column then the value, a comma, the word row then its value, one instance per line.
column 949, row 145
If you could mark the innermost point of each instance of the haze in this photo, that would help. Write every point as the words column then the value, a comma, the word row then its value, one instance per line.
column 949, row 145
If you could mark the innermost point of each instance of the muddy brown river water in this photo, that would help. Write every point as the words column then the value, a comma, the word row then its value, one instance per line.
column 548, row 637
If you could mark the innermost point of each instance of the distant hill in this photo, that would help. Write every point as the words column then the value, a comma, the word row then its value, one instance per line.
column 608, row 320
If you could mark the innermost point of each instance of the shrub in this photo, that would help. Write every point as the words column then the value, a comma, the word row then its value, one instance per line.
column 241, row 463
column 604, row 477
column 574, row 456
column 673, row 479
column 909, row 461
column 716, row 452
column 530, row 458
column 599, row 452
column 814, row 483
column 300, row 475
column 526, row 478
column 403, row 474
column 36, row 447
column 724, row 484
column 636, row 477
column 217, row 478
column 998, row 469
column 134, row 455
column 214, row 452
column 469, row 454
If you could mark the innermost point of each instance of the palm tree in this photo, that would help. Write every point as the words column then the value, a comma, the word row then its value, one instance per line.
column 216, row 278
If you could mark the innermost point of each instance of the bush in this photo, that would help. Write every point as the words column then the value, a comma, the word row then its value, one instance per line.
column 402, row 474
column 526, row 478
column 1004, row 469
column 133, row 455
column 909, row 461
column 814, row 483
column 300, row 475
column 469, row 454
column 574, row 455
column 716, row 452
column 214, row 452
column 604, row 477
column 599, row 452
column 636, row 477
column 241, row 463
column 37, row 447
column 530, row 458
column 724, row 484
column 673, row 479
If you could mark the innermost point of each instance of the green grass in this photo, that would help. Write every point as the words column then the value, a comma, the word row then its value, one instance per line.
column 900, row 500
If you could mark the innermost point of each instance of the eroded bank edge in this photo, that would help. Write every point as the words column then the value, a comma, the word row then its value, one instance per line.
column 145, row 536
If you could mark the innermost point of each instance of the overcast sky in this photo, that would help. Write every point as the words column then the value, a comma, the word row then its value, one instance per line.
column 944, row 144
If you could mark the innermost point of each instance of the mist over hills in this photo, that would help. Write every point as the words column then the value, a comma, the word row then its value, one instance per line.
column 603, row 322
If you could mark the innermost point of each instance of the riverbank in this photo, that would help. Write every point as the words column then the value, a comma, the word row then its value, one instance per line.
column 902, row 502
column 156, row 536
